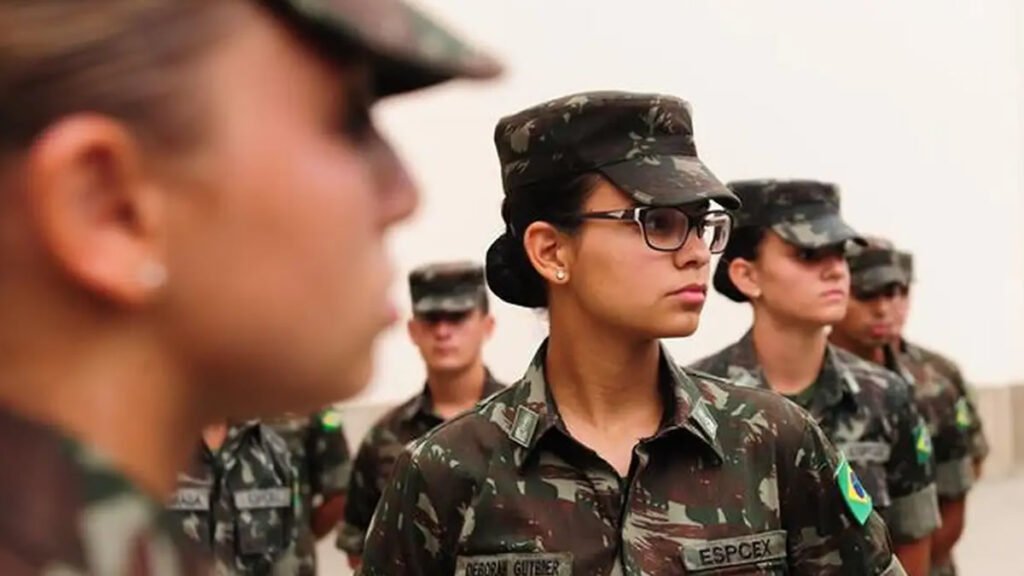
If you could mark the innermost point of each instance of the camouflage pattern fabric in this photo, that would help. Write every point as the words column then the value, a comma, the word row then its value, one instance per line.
column 642, row 143
column 874, row 267
column 241, row 503
column 377, row 455
column 941, row 404
column 66, row 512
column 870, row 415
column 804, row 213
column 319, row 451
column 447, row 287
column 736, row 479
column 968, row 411
column 407, row 49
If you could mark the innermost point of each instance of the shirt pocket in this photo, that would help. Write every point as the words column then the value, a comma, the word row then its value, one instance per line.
column 264, row 520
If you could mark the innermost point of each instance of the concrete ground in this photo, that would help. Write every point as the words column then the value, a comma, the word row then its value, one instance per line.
column 990, row 546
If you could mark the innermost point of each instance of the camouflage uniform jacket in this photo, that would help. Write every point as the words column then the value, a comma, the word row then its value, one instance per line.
column 968, row 410
column 735, row 481
column 320, row 453
column 377, row 454
column 945, row 410
column 241, row 503
column 65, row 512
column 869, row 413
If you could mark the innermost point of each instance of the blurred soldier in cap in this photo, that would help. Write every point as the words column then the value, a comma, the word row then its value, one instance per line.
column 320, row 454
column 239, row 501
column 194, row 193
column 944, row 399
column 787, row 259
column 451, row 323
column 607, row 457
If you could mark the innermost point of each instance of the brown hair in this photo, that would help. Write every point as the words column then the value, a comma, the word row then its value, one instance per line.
column 119, row 58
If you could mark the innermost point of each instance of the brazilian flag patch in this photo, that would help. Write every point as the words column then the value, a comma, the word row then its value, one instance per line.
column 857, row 499
column 330, row 420
column 923, row 443
column 963, row 414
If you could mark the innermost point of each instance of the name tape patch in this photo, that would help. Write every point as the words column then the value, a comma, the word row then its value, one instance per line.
column 728, row 552
column 866, row 451
column 528, row 564
column 267, row 498
column 190, row 499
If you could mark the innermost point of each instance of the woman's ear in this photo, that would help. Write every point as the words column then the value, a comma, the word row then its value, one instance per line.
column 744, row 276
column 546, row 249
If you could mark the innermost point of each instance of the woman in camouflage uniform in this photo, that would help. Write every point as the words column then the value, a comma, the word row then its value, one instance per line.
column 607, row 458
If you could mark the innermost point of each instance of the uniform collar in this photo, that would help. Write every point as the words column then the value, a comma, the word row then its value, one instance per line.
column 531, row 413
column 834, row 384
column 422, row 406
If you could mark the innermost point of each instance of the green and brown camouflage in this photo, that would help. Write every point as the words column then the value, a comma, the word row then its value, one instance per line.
column 376, row 457
column 642, row 143
column 940, row 403
column 906, row 261
column 320, row 454
column 447, row 287
column 67, row 512
column 870, row 415
column 735, row 479
column 804, row 213
column 241, row 503
column 407, row 49
column 875, row 267
column 967, row 411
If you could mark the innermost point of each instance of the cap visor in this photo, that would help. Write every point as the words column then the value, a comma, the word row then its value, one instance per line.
column 462, row 304
column 669, row 181
column 408, row 49
column 826, row 230
column 877, row 278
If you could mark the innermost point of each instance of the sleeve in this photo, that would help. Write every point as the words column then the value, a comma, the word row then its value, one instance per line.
column 330, row 462
column 832, row 529
column 910, row 472
column 363, row 495
column 413, row 528
column 954, row 469
column 968, row 416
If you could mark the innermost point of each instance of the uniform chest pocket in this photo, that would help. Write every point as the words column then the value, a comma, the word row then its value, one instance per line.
column 192, row 505
column 264, row 520
column 763, row 553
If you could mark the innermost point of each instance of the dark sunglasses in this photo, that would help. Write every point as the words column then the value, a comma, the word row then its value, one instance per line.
column 434, row 318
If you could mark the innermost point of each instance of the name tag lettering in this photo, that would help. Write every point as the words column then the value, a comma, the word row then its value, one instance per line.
column 866, row 451
column 190, row 499
column 260, row 499
column 535, row 564
column 728, row 552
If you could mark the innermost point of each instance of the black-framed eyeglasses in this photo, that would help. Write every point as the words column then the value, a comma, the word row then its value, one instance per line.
column 666, row 228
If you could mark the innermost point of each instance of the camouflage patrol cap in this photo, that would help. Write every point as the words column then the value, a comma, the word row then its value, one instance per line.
column 906, row 260
column 804, row 213
column 642, row 143
column 875, row 266
column 447, row 287
column 408, row 50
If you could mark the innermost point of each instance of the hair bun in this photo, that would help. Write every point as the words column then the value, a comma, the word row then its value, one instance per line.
column 511, row 276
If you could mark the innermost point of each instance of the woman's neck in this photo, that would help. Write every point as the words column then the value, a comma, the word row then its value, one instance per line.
column 790, row 354
column 602, row 379
column 110, row 394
